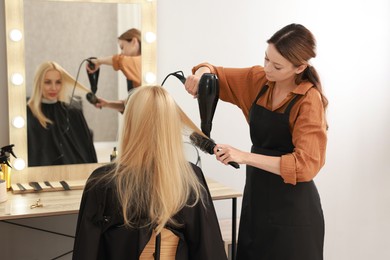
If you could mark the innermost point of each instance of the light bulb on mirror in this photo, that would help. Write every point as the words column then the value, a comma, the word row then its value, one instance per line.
column 19, row 164
column 150, row 78
column 150, row 37
column 17, row 79
column 15, row 35
column 18, row 122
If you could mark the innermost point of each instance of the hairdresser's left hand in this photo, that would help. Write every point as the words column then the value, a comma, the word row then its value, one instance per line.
column 101, row 103
column 226, row 153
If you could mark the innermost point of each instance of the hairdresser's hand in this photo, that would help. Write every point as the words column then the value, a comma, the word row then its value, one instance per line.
column 96, row 63
column 192, row 84
column 118, row 105
column 192, row 81
column 226, row 153
column 101, row 103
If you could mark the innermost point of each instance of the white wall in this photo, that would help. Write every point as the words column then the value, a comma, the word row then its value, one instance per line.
column 353, row 60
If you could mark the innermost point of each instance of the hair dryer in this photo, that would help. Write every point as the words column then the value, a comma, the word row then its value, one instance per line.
column 208, row 95
column 93, row 81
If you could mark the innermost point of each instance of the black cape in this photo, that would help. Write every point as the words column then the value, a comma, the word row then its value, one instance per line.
column 67, row 141
column 101, row 235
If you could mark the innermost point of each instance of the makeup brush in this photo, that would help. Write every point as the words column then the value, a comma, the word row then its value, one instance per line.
column 207, row 145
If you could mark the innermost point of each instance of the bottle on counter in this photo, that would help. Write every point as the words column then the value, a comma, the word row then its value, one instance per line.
column 113, row 155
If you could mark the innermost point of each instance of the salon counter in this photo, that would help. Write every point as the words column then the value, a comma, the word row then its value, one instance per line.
column 54, row 203
column 40, row 204
column 41, row 225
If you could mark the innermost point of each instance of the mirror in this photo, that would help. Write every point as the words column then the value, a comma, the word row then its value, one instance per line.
column 70, row 33
column 18, row 53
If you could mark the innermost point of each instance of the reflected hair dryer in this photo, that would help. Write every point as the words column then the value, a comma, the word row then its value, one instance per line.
column 208, row 95
column 93, row 81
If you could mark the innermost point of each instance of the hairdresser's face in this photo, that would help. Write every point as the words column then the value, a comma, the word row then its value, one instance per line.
column 276, row 67
column 52, row 84
column 129, row 48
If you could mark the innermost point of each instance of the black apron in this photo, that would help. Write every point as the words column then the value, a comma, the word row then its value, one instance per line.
column 278, row 221
column 130, row 85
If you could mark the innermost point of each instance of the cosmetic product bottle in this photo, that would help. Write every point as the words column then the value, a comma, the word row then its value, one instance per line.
column 7, row 175
column 3, row 191
column 113, row 155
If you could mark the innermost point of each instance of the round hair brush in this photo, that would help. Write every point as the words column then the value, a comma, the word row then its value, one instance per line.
column 208, row 94
column 207, row 145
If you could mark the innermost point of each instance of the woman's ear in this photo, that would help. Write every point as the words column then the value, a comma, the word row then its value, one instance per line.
column 300, row 68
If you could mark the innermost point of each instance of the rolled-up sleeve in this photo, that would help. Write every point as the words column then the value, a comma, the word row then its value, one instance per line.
column 130, row 66
column 309, row 138
column 238, row 86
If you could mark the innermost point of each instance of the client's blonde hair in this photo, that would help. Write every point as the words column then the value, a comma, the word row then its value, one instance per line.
column 153, row 178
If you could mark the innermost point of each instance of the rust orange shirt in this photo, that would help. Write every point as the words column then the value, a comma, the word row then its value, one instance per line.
column 130, row 66
column 307, row 117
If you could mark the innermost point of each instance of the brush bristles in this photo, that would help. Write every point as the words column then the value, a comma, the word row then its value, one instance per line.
column 203, row 143
column 92, row 98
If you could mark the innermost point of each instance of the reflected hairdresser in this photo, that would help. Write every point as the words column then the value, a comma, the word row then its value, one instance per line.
column 128, row 62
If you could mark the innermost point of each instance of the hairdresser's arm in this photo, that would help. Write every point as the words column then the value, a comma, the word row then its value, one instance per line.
column 226, row 153
column 192, row 81
column 104, row 60
column 113, row 104
column 98, row 62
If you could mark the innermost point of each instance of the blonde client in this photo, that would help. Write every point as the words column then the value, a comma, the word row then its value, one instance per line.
column 150, row 189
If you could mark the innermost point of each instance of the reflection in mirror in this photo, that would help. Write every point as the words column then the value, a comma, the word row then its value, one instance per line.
column 69, row 34
column 57, row 131
column 60, row 44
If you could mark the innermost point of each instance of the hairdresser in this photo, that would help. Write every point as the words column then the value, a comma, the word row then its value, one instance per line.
column 284, row 104
column 128, row 61
column 57, row 131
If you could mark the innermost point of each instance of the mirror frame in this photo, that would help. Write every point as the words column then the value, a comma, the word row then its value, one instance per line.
column 14, row 19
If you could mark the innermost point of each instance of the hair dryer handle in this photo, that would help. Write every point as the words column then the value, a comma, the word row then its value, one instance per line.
column 91, row 65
